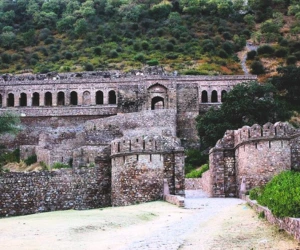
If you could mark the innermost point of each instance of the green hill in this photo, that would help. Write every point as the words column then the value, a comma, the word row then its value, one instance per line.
column 190, row 36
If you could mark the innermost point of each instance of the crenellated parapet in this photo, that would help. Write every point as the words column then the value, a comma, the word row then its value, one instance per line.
column 145, row 144
column 252, row 156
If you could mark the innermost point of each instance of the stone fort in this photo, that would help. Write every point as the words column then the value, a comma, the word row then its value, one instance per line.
column 132, row 128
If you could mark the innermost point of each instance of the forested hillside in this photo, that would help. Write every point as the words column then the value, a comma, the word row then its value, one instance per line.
column 190, row 36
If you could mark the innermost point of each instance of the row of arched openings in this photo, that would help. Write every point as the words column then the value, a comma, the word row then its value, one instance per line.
column 48, row 99
column 214, row 96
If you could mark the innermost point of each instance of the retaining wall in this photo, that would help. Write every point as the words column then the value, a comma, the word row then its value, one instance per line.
column 290, row 225
column 34, row 192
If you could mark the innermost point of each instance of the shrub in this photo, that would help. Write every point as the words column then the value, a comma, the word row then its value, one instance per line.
column 145, row 45
column 169, row 46
column 59, row 165
column 257, row 68
column 251, row 55
column 197, row 173
column 6, row 58
column 68, row 55
column 222, row 53
column 265, row 50
column 195, row 158
column 152, row 62
column 30, row 160
column 88, row 67
column 281, row 195
column 113, row 54
column 172, row 56
column 255, row 193
column 97, row 51
column 139, row 57
column 281, row 52
column 291, row 60
column 227, row 36
column 297, row 55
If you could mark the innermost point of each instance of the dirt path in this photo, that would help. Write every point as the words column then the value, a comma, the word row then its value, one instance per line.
column 207, row 224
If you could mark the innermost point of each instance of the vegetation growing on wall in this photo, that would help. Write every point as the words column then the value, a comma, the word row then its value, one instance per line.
column 281, row 195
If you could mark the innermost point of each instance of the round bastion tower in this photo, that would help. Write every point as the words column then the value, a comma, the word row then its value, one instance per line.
column 140, row 165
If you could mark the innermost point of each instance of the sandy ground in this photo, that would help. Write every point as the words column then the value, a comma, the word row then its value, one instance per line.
column 208, row 224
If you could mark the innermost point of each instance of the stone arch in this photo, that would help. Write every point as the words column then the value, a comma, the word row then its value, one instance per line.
column 157, row 103
column 223, row 93
column 23, row 100
column 48, row 99
column 35, row 99
column 0, row 100
column 73, row 98
column 11, row 100
column 60, row 98
column 214, row 96
column 99, row 97
column 112, row 98
column 86, row 98
column 204, row 96
column 158, row 96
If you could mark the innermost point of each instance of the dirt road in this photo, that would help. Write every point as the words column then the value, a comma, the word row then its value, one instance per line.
column 204, row 224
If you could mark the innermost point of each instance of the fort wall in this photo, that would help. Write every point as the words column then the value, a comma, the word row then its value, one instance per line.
column 27, row 193
column 252, row 156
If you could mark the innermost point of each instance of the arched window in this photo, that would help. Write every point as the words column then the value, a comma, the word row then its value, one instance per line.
column 86, row 98
column 60, row 98
column 112, row 99
column 157, row 103
column 99, row 97
column 36, row 99
column 0, row 100
column 48, row 99
column 223, row 93
column 11, row 100
column 73, row 98
column 214, row 96
column 204, row 97
column 23, row 100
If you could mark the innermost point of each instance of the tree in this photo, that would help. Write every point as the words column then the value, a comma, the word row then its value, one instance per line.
column 288, row 82
column 246, row 104
column 9, row 123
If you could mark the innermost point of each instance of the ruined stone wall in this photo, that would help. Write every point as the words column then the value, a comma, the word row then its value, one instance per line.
column 140, row 165
column 254, row 154
column 27, row 193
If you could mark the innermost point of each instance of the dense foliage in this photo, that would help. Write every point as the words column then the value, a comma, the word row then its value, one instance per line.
column 9, row 123
column 194, row 159
column 65, row 35
column 197, row 173
column 246, row 104
column 281, row 195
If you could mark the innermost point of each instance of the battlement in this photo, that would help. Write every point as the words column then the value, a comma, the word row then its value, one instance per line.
column 269, row 131
column 145, row 144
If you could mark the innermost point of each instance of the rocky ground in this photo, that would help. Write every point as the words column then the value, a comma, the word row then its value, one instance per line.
column 204, row 224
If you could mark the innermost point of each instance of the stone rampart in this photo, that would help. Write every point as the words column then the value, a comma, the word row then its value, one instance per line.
column 140, row 165
column 27, row 193
column 254, row 154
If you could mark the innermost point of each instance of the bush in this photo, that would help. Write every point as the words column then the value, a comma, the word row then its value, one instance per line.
column 291, row 60
column 197, row 173
column 88, row 67
column 152, row 62
column 297, row 55
column 139, row 57
column 145, row 45
column 281, row 52
column 169, row 46
column 194, row 158
column 6, row 58
column 251, row 55
column 97, row 51
column 255, row 193
column 281, row 195
column 257, row 68
column 222, row 53
column 265, row 50
column 30, row 160
column 59, row 165
column 113, row 54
